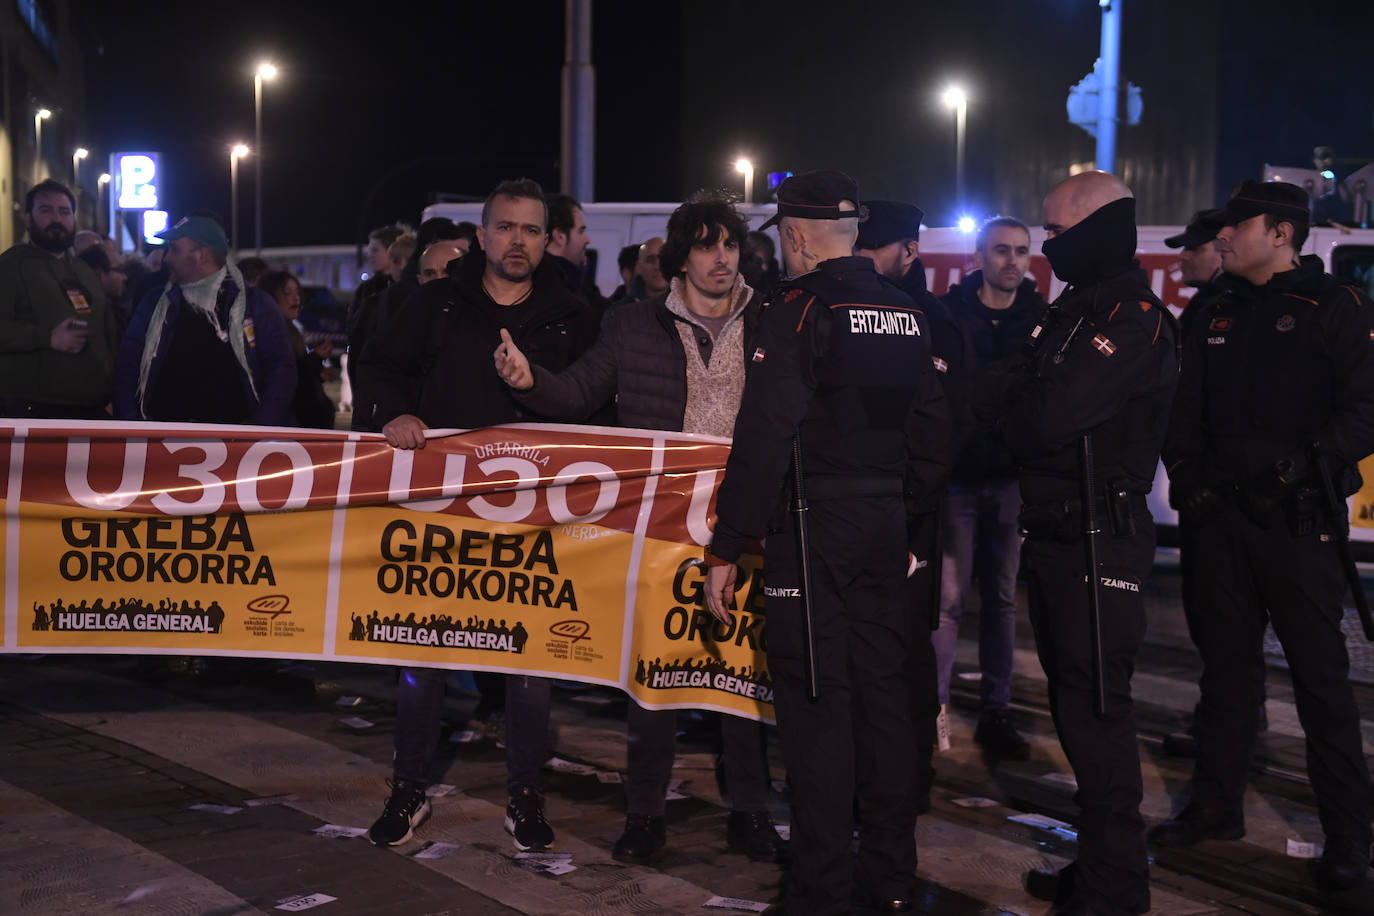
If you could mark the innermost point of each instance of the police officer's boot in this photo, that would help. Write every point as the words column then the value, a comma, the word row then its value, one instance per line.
column 1344, row 864
column 643, row 840
column 1054, row 886
column 1196, row 823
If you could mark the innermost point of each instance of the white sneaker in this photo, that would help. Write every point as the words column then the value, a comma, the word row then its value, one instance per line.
column 942, row 728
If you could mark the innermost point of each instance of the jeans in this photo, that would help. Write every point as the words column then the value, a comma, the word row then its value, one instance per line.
column 652, row 741
column 981, row 520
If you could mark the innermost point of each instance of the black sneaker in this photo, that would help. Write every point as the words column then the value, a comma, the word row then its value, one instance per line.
column 999, row 737
column 406, row 809
column 753, row 833
column 643, row 840
column 525, row 820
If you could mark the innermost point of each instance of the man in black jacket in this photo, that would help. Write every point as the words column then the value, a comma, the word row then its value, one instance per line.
column 676, row 362
column 567, row 251
column 1278, row 379
column 1099, row 382
column 433, row 370
column 995, row 308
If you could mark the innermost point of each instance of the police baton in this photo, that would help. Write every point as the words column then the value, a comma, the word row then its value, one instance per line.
column 1339, row 517
column 799, row 510
column 1088, row 477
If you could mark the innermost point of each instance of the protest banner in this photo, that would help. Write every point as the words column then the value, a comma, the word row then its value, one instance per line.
column 564, row 551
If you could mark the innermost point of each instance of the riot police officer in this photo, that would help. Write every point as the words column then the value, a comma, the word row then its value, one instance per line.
column 841, row 364
column 1092, row 397
column 1277, row 390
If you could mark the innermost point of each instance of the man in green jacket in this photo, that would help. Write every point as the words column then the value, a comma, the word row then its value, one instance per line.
column 58, row 339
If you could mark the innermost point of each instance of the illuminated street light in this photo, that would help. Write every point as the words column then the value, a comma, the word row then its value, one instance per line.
column 77, row 155
column 100, row 184
column 746, row 168
column 967, row 224
column 237, row 152
column 265, row 71
column 955, row 99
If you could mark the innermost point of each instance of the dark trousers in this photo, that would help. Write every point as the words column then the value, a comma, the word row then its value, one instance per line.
column 858, row 736
column 923, row 590
column 1194, row 607
column 420, row 701
column 1257, row 575
column 653, row 742
column 1113, row 876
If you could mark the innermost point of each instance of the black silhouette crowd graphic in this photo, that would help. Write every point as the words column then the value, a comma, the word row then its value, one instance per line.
column 712, row 666
column 364, row 628
column 49, row 618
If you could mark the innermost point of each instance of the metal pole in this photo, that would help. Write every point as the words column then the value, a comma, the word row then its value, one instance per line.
column 579, row 103
column 234, row 204
column 749, row 185
column 960, row 116
column 1110, row 61
column 257, row 159
column 37, row 149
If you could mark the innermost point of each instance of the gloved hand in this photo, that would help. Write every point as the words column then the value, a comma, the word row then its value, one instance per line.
column 1197, row 503
column 1286, row 475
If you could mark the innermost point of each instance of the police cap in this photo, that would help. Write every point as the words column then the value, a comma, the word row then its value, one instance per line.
column 1285, row 201
column 1202, row 228
column 889, row 221
column 816, row 195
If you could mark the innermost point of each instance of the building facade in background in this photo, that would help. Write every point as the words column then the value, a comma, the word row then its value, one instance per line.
column 41, row 67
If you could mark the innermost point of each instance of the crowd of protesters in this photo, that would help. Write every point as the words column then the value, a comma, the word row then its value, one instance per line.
column 508, row 312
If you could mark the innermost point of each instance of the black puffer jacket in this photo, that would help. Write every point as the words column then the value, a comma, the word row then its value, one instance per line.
column 991, row 336
column 639, row 360
column 435, row 361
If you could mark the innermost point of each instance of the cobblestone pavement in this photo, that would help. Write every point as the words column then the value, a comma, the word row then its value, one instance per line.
column 130, row 786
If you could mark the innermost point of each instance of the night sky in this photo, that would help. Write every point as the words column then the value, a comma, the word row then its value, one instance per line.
column 375, row 107
column 379, row 107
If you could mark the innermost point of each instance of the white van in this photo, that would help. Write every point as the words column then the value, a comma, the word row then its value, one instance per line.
column 610, row 227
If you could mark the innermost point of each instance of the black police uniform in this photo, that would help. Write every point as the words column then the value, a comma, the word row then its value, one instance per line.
column 1267, row 371
column 842, row 360
column 1106, row 364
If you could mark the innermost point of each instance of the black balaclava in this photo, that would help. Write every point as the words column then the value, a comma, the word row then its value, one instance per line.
column 1099, row 247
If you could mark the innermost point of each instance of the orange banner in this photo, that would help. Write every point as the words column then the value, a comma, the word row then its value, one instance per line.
column 564, row 551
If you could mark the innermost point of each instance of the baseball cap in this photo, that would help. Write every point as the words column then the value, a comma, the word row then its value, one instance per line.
column 816, row 195
column 200, row 229
column 889, row 221
column 1279, row 198
column 1201, row 229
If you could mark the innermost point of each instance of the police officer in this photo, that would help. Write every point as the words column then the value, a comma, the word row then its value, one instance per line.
column 1199, row 263
column 1278, row 379
column 840, row 365
column 1104, row 367
column 890, row 237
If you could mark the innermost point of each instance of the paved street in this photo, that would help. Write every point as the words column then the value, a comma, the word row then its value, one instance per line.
column 105, row 762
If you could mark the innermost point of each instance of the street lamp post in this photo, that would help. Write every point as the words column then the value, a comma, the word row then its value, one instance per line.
column 39, row 117
column 235, row 154
column 77, row 155
column 265, row 71
column 746, row 168
column 100, row 184
column 955, row 98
